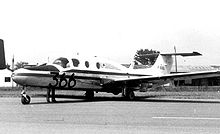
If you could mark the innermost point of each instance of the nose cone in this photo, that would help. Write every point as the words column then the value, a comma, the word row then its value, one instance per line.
column 18, row 77
column 34, row 76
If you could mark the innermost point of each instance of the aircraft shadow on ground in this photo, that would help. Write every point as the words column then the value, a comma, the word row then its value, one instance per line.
column 154, row 98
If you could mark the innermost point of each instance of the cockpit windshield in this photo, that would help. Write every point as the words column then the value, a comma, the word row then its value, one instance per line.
column 62, row 62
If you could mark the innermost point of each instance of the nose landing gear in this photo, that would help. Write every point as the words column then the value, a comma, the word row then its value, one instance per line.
column 25, row 99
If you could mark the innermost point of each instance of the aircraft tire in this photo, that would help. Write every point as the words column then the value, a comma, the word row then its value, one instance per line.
column 130, row 95
column 25, row 100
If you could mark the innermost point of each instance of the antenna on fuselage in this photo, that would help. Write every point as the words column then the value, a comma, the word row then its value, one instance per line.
column 13, row 63
column 175, row 58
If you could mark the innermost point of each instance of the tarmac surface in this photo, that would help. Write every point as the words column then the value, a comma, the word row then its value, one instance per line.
column 152, row 116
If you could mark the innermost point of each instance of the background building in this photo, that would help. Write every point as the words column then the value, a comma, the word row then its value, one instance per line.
column 5, row 78
column 213, row 81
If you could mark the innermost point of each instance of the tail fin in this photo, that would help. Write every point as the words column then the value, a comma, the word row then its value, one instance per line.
column 2, row 55
column 164, row 62
column 162, row 65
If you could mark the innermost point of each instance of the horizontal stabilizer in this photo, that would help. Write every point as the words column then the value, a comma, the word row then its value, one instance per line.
column 183, row 54
column 170, row 54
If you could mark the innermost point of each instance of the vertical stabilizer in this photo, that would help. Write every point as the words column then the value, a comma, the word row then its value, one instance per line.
column 2, row 55
column 163, row 65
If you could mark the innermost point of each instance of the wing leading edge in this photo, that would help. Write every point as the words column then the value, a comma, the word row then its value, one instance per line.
column 179, row 76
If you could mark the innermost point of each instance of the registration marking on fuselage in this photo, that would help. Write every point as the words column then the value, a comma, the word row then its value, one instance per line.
column 186, row 118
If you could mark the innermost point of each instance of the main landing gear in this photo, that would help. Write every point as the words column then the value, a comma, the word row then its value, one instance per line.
column 128, row 93
column 25, row 99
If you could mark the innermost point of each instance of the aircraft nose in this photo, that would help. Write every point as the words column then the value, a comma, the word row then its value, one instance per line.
column 17, row 77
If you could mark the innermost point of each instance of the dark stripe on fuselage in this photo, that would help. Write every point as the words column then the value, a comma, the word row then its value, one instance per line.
column 52, row 75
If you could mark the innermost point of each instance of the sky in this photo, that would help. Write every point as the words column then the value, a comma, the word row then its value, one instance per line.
column 36, row 31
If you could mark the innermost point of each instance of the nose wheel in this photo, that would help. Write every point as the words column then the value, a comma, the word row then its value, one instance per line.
column 25, row 99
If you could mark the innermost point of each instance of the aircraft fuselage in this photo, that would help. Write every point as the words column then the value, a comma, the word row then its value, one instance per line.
column 71, row 76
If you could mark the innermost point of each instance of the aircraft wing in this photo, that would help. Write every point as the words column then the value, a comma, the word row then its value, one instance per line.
column 178, row 76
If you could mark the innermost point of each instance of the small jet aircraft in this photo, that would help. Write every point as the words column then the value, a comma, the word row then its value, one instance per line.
column 94, row 74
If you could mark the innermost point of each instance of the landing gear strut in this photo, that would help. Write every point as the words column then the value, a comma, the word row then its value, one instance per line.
column 51, row 94
column 128, row 93
column 25, row 99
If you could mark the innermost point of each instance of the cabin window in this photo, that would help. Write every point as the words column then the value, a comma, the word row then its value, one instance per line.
column 75, row 62
column 62, row 62
column 87, row 64
column 98, row 65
